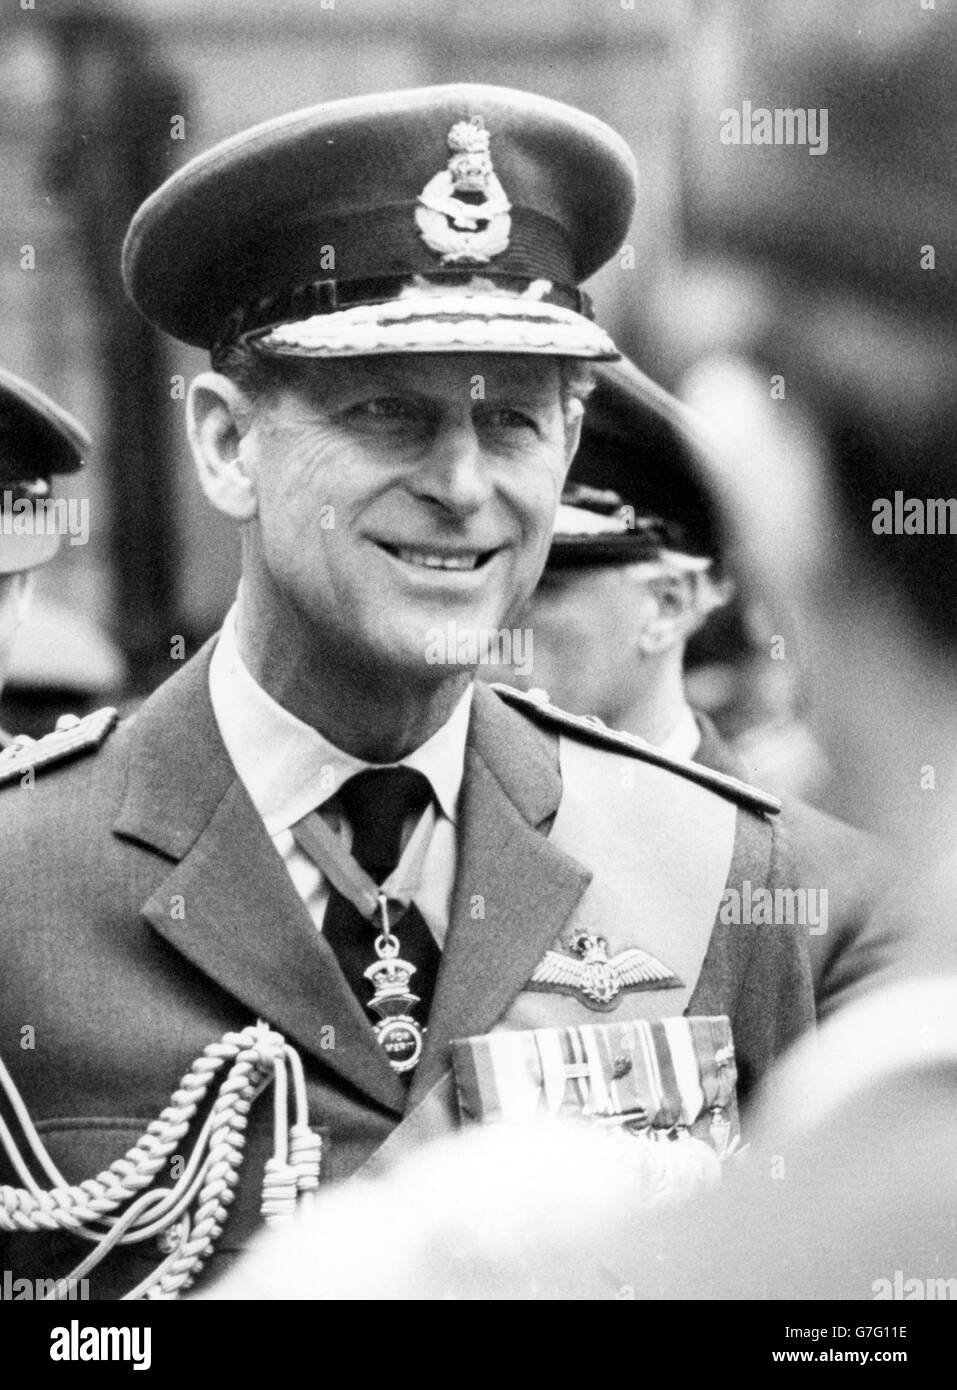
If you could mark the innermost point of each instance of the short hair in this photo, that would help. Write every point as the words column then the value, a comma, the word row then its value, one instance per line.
column 577, row 380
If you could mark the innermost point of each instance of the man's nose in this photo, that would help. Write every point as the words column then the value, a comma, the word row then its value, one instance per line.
column 455, row 472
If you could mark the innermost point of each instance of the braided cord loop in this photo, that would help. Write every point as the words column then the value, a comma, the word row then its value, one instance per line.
column 256, row 1057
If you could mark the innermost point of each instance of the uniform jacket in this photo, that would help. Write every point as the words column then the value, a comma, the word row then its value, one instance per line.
column 860, row 946
column 122, row 994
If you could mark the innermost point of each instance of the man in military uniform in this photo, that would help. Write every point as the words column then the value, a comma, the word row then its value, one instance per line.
column 637, row 572
column 315, row 823
column 37, row 440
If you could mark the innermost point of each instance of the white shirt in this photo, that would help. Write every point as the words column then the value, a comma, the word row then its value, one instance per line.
column 289, row 769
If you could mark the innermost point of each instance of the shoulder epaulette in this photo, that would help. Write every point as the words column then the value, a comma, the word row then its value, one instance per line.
column 591, row 728
column 70, row 737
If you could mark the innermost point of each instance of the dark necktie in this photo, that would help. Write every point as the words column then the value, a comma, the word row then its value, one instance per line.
column 378, row 802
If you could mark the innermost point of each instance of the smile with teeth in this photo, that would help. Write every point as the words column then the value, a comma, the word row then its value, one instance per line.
column 430, row 560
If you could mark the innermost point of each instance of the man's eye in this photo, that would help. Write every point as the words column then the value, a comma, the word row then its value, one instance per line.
column 506, row 418
column 383, row 408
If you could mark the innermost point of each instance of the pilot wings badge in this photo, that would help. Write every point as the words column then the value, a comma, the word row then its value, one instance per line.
column 463, row 212
column 590, row 975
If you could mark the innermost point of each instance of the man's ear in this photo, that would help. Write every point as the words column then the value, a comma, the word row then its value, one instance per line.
column 671, row 614
column 574, row 416
column 215, row 413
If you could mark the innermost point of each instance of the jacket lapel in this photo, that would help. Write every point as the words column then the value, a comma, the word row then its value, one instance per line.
column 228, row 904
column 514, row 891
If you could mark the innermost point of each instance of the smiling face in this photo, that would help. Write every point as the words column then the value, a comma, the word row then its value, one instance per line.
column 394, row 495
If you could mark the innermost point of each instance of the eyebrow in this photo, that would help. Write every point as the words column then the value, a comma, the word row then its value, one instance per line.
column 376, row 377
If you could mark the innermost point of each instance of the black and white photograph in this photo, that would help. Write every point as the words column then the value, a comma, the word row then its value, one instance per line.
column 478, row 667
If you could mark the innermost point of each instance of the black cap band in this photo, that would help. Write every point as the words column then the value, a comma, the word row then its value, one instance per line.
column 340, row 263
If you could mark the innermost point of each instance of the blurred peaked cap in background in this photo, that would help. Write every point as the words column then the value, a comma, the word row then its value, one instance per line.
column 37, row 439
column 593, row 526
column 643, row 446
column 444, row 219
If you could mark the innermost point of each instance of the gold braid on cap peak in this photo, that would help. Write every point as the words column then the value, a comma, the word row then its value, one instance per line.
column 466, row 323
column 394, row 300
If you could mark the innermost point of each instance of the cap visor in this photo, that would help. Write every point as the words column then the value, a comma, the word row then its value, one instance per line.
column 572, row 552
column 442, row 323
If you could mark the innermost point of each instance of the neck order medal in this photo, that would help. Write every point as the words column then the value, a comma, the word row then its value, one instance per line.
column 398, row 1033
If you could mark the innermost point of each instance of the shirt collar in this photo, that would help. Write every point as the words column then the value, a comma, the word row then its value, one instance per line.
column 684, row 738
column 287, row 767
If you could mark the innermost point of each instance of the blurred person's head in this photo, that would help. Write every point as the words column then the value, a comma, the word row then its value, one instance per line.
column 614, row 610
column 837, row 389
column 37, row 440
column 633, row 572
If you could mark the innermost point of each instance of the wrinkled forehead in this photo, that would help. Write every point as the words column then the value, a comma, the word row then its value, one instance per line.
column 428, row 376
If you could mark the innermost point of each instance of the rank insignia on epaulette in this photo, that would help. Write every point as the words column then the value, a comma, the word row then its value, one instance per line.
column 590, row 728
column 70, row 737
column 597, row 979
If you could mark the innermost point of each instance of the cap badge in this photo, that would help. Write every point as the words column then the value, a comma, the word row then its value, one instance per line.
column 471, row 228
